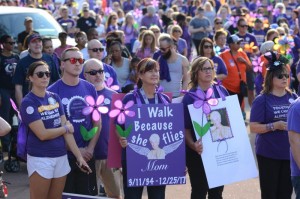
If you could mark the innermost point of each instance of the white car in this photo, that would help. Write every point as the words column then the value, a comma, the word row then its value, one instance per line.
column 12, row 23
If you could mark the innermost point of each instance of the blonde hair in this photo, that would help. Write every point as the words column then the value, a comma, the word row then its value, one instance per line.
column 196, row 66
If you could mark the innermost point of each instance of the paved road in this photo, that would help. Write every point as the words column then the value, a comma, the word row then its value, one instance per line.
column 19, row 188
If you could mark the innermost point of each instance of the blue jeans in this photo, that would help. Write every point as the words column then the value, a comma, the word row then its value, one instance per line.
column 296, row 185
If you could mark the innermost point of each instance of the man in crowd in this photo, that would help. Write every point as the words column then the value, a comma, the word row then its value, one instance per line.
column 72, row 90
column 28, row 23
column 173, row 66
column 35, row 54
column 94, row 73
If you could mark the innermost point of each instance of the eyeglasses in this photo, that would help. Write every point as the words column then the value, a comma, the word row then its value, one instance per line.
column 97, row 49
column 176, row 31
column 73, row 60
column 209, row 69
column 114, row 18
column 41, row 74
column 218, row 23
column 244, row 26
column 280, row 76
column 207, row 46
column 164, row 49
column 94, row 72
column 10, row 42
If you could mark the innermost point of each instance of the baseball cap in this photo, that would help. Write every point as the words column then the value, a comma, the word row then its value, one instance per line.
column 234, row 39
column 33, row 37
column 28, row 19
column 266, row 46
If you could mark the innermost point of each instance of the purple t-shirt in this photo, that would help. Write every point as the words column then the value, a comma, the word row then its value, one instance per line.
column 181, row 45
column 259, row 35
column 219, row 64
column 72, row 98
column 248, row 38
column 49, row 109
column 101, row 147
column 293, row 125
column 267, row 108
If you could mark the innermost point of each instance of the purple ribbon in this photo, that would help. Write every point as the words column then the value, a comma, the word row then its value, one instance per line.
column 136, row 95
column 158, row 91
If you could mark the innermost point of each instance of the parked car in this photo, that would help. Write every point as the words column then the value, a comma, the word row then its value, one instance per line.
column 12, row 23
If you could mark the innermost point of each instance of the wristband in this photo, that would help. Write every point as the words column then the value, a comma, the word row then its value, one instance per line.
column 270, row 127
column 66, row 128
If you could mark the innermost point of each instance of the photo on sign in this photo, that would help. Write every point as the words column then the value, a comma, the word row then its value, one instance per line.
column 220, row 128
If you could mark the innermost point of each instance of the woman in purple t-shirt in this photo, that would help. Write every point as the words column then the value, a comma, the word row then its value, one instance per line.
column 48, row 134
column 268, row 119
column 148, row 72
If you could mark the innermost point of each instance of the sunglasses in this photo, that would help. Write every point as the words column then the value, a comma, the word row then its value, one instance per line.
column 73, row 60
column 218, row 23
column 41, row 74
column 97, row 49
column 209, row 69
column 280, row 76
column 157, row 32
column 244, row 26
column 176, row 30
column 207, row 46
column 282, row 34
column 164, row 49
column 11, row 42
column 94, row 72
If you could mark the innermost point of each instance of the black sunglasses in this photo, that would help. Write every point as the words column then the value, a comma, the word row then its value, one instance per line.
column 97, row 49
column 218, row 23
column 280, row 76
column 208, row 46
column 164, row 49
column 244, row 26
column 73, row 60
column 41, row 74
column 10, row 42
column 94, row 72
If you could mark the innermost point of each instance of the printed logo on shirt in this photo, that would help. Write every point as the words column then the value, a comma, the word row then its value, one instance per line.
column 74, row 109
column 291, row 100
column 65, row 101
column 231, row 62
column 106, row 101
column 49, row 107
column 216, row 66
column 280, row 111
column 51, row 100
column 29, row 110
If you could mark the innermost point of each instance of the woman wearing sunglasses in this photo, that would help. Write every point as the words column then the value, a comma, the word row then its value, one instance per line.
column 206, row 49
column 49, row 135
column 268, row 119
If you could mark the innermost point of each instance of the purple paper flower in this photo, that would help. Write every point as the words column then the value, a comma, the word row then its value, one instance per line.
column 107, row 11
column 276, row 12
column 154, row 3
column 203, row 100
column 137, row 13
column 109, row 82
column 233, row 21
column 257, row 64
column 121, row 111
column 95, row 108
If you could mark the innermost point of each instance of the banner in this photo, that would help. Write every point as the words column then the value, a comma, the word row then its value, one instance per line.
column 156, row 145
column 227, row 155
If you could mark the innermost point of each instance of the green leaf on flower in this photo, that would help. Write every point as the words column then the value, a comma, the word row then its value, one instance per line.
column 87, row 135
column 201, row 131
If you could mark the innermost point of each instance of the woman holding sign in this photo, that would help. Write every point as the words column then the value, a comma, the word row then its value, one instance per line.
column 148, row 73
column 42, row 112
column 202, row 77
column 268, row 119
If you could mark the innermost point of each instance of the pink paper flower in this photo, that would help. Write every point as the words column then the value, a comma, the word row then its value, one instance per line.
column 257, row 64
column 122, row 111
column 204, row 100
column 108, row 83
column 95, row 108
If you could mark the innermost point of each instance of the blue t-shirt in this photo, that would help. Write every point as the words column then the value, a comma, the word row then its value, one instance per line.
column 293, row 125
column 72, row 98
column 267, row 108
column 22, row 68
column 101, row 147
column 49, row 109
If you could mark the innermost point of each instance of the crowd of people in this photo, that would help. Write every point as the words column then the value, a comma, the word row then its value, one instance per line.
column 236, row 47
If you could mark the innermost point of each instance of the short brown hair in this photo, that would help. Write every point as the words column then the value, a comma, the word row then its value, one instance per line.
column 197, row 65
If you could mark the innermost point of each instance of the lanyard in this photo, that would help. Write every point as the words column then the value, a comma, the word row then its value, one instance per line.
column 145, row 97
